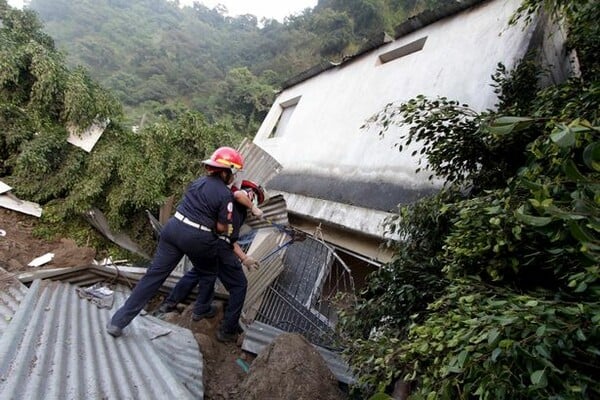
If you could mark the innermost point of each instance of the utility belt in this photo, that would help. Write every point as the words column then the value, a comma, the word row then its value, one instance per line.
column 189, row 222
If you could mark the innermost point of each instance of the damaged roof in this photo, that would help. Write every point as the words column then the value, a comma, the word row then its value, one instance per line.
column 55, row 346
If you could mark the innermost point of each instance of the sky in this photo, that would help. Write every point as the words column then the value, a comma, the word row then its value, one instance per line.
column 277, row 9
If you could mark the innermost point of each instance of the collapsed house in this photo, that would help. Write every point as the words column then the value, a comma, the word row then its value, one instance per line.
column 345, row 179
column 332, row 185
column 64, row 311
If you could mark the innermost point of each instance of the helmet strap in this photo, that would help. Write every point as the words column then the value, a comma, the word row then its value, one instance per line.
column 226, row 176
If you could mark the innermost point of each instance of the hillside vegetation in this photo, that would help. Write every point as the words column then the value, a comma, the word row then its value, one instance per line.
column 159, row 58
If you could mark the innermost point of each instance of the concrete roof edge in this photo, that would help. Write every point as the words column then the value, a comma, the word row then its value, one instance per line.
column 412, row 24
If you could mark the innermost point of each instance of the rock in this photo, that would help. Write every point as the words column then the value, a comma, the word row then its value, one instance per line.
column 290, row 368
column 206, row 345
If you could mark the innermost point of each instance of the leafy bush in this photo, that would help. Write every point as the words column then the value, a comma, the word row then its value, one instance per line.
column 492, row 343
column 41, row 100
column 494, row 292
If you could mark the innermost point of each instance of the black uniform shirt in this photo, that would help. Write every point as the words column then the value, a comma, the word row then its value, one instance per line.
column 207, row 201
column 239, row 217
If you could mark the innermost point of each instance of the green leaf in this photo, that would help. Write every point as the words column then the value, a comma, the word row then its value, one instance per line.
column 501, row 129
column 533, row 186
column 512, row 120
column 531, row 219
column 540, row 331
column 493, row 335
column 572, row 172
column 462, row 356
column 564, row 137
column 542, row 351
column 538, row 378
column 579, row 232
column 591, row 156
column 497, row 351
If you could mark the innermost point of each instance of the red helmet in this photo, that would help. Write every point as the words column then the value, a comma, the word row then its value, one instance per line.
column 258, row 190
column 226, row 157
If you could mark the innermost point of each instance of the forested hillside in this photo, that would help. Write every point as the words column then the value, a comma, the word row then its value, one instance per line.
column 159, row 58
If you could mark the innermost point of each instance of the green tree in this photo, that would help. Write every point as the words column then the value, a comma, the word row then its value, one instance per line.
column 245, row 95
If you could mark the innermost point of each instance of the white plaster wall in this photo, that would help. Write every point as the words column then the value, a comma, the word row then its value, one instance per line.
column 457, row 61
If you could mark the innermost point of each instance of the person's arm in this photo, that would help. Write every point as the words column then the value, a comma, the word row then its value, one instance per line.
column 242, row 197
column 221, row 227
column 247, row 261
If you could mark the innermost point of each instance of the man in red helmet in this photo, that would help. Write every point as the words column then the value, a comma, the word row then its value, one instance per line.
column 230, row 272
column 204, row 213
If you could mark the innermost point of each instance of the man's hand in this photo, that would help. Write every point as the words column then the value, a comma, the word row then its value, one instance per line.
column 257, row 212
column 250, row 263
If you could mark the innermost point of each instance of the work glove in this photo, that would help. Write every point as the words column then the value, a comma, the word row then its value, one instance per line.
column 250, row 263
column 257, row 212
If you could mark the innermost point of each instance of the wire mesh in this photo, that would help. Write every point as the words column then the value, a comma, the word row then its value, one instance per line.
column 302, row 298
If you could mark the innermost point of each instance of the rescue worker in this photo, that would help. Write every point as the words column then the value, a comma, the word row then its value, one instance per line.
column 204, row 213
column 231, row 257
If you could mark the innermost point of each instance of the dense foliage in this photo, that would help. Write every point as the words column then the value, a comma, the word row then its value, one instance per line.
column 41, row 101
column 494, row 292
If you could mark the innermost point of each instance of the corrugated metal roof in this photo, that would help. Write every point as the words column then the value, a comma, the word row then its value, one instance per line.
column 267, row 252
column 259, row 166
column 56, row 347
column 259, row 335
column 125, row 275
column 309, row 73
column 12, row 293
column 275, row 212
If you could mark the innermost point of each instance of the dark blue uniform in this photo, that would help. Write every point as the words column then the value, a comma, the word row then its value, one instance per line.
column 230, row 273
column 206, row 201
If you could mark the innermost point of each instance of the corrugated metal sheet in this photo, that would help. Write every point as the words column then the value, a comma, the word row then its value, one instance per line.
column 99, row 221
column 259, row 166
column 128, row 276
column 10, row 201
column 56, row 347
column 12, row 293
column 275, row 212
column 259, row 335
column 270, row 256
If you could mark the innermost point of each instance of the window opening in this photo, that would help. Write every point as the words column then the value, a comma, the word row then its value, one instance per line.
column 287, row 109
